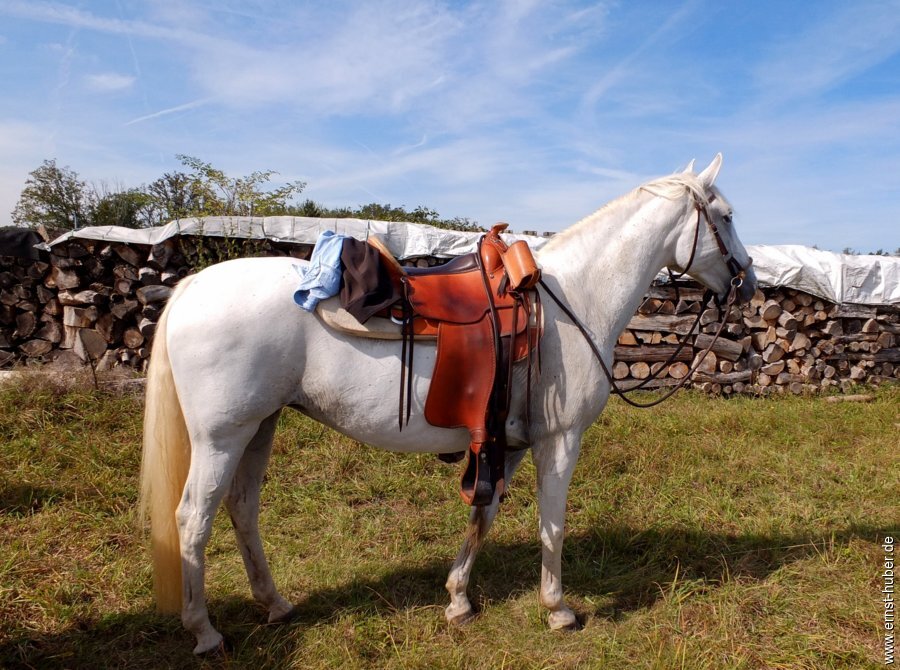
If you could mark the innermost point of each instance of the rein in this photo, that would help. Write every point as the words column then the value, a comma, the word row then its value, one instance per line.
column 737, row 279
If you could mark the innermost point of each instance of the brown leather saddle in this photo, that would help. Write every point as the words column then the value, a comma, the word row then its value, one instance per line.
column 486, row 313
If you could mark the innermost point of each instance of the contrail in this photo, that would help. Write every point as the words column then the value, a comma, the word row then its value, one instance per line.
column 170, row 110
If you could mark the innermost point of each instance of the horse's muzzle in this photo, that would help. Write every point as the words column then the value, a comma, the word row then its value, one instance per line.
column 746, row 286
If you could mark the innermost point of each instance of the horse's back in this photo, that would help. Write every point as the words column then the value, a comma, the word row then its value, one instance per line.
column 241, row 347
column 243, row 282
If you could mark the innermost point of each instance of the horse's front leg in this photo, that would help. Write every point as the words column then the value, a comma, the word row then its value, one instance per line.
column 480, row 519
column 555, row 462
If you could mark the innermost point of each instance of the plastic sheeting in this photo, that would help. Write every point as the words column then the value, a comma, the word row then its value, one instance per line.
column 842, row 278
column 839, row 278
column 19, row 242
column 405, row 240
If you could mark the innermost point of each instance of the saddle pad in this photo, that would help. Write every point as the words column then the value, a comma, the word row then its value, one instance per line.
column 336, row 317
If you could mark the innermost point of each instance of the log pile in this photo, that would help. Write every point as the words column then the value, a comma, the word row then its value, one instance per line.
column 22, row 295
column 102, row 300
column 783, row 340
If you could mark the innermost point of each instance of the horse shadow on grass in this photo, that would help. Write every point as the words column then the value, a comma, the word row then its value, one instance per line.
column 624, row 568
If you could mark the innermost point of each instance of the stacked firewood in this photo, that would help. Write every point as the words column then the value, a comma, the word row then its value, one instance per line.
column 781, row 341
column 22, row 295
column 102, row 300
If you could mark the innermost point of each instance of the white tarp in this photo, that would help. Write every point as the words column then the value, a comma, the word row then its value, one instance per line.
column 405, row 240
column 840, row 278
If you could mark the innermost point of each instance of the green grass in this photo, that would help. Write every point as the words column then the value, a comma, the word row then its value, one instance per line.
column 706, row 533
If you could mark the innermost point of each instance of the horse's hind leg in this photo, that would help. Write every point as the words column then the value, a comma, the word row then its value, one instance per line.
column 214, row 460
column 480, row 519
column 242, row 502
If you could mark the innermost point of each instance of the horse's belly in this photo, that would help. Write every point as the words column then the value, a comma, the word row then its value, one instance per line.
column 353, row 386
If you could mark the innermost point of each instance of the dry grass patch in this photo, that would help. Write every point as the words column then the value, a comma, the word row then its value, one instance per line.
column 703, row 534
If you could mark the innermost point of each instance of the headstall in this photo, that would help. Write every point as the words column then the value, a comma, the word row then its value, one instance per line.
column 738, row 273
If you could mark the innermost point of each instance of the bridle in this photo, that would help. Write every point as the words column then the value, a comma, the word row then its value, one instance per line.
column 738, row 274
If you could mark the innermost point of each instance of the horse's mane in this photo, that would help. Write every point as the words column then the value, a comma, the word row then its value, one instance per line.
column 671, row 187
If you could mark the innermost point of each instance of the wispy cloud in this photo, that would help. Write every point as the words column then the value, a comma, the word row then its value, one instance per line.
column 623, row 69
column 373, row 59
column 109, row 81
column 52, row 12
column 522, row 110
column 358, row 58
column 17, row 137
column 73, row 17
column 24, row 144
column 831, row 51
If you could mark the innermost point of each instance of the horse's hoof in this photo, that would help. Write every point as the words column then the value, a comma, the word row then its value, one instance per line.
column 564, row 620
column 286, row 617
column 462, row 618
column 211, row 649
column 573, row 627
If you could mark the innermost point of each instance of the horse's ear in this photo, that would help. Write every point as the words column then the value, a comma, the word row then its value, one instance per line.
column 689, row 169
column 708, row 176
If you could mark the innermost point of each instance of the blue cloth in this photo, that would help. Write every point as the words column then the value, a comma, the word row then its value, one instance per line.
column 321, row 279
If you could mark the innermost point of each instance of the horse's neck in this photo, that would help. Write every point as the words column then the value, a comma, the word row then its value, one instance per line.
column 605, row 263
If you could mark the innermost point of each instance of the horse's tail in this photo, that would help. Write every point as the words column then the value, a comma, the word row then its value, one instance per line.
column 164, row 467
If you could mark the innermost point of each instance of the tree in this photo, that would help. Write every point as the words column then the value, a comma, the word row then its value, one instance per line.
column 177, row 195
column 57, row 198
column 120, row 207
column 54, row 197
column 380, row 212
column 309, row 208
column 241, row 196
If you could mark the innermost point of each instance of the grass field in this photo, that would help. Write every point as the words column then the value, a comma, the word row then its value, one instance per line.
column 702, row 534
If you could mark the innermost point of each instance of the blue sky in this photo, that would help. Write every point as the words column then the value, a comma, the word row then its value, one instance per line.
column 530, row 112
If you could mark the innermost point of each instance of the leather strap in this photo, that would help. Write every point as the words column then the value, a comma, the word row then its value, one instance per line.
column 737, row 278
column 614, row 388
column 406, row 355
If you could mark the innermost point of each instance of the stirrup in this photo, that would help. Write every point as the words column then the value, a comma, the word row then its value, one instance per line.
column 483, row 475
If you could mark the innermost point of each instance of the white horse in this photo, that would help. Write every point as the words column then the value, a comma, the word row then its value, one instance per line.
column 232, row 350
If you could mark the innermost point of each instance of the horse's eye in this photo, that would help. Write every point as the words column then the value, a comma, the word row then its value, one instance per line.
column 727, row 218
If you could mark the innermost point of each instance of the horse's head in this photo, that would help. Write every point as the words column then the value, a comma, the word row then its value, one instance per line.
column 708, row 248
